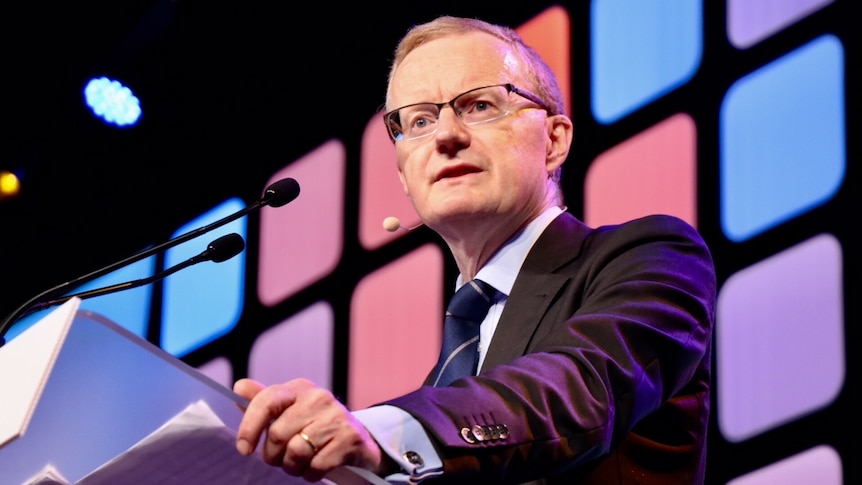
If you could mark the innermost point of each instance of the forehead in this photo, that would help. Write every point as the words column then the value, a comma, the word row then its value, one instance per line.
column 448, row 66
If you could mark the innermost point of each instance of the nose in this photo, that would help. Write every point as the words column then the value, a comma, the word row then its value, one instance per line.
column 449, row 126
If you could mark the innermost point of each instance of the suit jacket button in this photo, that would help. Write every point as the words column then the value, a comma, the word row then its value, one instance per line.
column 467, row 435
column 414, row 459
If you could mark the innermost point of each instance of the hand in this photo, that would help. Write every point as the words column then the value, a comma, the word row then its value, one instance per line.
column 285, row 412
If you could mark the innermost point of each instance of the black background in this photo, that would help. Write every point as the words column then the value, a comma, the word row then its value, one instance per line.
column 233, row 90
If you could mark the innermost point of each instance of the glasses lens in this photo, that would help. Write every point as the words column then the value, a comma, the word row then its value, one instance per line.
column 393, row 124
column 482, row 105
column 414, row 121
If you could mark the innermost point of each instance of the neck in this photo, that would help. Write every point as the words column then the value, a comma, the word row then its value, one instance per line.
column 474, row 239
column 474, row 245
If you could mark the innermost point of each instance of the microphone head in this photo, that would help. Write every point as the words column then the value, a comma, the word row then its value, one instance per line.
column 225, row 247
column 391, row 224
column 281, row 192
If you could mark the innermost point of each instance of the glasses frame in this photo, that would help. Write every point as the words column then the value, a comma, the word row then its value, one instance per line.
column 510, row 88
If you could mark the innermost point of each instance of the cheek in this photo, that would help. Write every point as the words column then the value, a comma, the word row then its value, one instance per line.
column 528, row 133
column 403, row 160
column 530, row 153
column 409, row 169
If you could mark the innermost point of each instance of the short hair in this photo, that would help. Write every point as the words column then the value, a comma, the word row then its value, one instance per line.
column 542, row 79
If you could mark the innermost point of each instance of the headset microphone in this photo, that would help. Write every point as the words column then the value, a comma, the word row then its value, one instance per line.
column 392, row 224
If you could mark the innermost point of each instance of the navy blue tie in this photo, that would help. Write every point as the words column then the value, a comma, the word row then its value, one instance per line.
column 459, row 356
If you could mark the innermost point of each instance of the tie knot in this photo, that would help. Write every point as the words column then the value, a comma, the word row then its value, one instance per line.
column 472, row 301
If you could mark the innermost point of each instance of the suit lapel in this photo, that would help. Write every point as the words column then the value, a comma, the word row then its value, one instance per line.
column 535, row 288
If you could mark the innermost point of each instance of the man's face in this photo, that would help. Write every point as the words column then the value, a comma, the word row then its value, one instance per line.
column 461, row 175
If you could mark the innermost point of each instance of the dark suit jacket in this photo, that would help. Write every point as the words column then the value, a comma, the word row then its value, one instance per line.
column 599, row 370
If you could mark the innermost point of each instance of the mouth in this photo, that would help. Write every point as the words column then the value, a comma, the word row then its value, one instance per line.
column 457, row 171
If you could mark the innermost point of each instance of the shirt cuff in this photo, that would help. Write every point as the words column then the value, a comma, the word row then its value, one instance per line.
column 405, row 441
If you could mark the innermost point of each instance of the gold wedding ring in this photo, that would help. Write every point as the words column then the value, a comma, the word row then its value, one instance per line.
column 308, row 440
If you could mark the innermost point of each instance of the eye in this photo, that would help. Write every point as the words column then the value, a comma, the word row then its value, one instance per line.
column 477, row 108
column 419, row 118
column 484, row 105
column 420, row 122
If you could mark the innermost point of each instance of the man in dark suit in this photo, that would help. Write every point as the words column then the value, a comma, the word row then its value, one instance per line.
column 593, row 362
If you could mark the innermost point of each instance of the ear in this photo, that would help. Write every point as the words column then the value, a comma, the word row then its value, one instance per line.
column 560, row 133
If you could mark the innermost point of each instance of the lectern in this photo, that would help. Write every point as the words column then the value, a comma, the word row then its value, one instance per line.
column 78, row 390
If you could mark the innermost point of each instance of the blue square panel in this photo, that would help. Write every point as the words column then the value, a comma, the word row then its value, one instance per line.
column 641, row 51
column 204, row 301
column 782, row 135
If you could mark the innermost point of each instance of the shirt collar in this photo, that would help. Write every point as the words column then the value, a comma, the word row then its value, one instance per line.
column 503, row 267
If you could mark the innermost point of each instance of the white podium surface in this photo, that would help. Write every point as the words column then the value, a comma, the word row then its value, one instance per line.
column 78, row 390
column 25, row 365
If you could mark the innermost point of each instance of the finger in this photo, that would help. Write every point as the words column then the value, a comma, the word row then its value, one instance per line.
column 275, row 446
column 266, row 405
column 297, row 455
column 317, row 467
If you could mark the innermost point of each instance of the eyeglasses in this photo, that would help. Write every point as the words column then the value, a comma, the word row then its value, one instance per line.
column 479, row 105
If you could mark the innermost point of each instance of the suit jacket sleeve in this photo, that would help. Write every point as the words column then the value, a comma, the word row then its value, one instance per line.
column 603, row 348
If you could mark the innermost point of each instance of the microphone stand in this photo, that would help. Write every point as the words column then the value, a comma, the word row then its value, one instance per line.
column 276, row 195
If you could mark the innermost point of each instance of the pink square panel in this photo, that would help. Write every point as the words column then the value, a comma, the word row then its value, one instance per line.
column 654, row 172
column 396, row 327
column 303, row 241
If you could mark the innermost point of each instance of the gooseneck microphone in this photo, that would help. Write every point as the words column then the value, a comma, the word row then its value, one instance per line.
column 276, row 194
column 217, row 251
